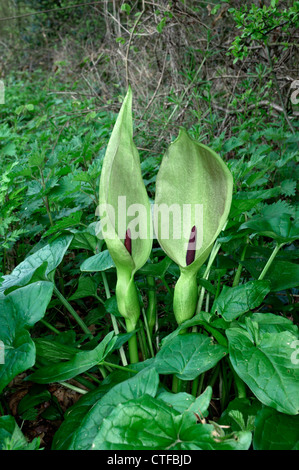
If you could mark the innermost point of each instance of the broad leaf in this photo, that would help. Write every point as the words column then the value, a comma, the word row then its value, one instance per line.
column 281, row 274
column 51, row 254
column 275, row 431
column 80, row 363
column 187, row 356
column 234, row 301
column 20, row 310
column 265, row 364
column 282, row 229
column 82, row 438
column 150, row 424
column 182, row 402
column 99, row 262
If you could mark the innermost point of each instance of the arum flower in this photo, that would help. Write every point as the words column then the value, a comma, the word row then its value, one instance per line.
column 125, row 212
column 196, row 186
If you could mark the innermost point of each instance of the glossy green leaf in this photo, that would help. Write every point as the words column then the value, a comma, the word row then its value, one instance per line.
column 268, row 365
column 275, row 431
column 86, row 239
column 52, row 254
column 234, row 301
column 80, row 363
column 187, row 356
column 270, row 323
column 281, row 274
column 99, row 262
column 49, row 351
column 19, row 311
column 150, row 424
column 282, row 229
column 83, row 437
column 87, row 287
column 182, row 402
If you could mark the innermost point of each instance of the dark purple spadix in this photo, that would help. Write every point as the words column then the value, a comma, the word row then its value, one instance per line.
column 191, row 247
column 128, row 241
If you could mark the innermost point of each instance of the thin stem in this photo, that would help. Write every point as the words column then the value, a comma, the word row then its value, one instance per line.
column 48, row 325
column 72, row 311
column 114, row 322
column 167, row 286
column 103, row 372
column 73, row 387
column 213, row 255
column 142, row 340
column 240, row 267
column 239, row 384
column 149, row 338
column 151, row 311
column 116, row 366
column 176, row 384
column 270, row 260
column 132, row 343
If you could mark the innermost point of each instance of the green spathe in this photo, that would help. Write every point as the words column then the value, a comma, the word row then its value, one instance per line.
column 121, row 177
column 191, row 173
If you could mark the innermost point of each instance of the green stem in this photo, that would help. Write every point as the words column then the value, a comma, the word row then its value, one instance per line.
column 72, row 311
column 213, row 255
column 148, row 333
column 93, row 378
column 270, row 260
column 132, row 343
column 142, row 340
column 240, row 385
column 103, row 372
column 48, row 325
column 151, row 311
column 176, row 384
column 240, row 267
column 166, row 286
column 113, row 319
column 73, row 387
column 116, row 366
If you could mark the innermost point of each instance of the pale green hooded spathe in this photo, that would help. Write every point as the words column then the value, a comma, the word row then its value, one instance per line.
column 191, row 173
column 121, row 177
